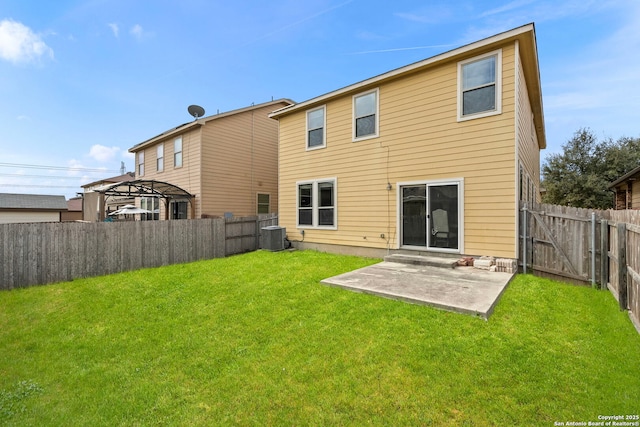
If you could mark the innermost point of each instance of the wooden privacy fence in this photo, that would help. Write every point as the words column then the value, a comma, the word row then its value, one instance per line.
column 243, row 234
column 584, row 246
column 40, row 253
column 624, row 259
column 560, row 241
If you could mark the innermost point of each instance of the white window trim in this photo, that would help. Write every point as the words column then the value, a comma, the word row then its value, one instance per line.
column 140, row 162
column 314, row 204
column 176, row 152
column 258, row 201
column 324, row 128
column 460, row 183
column 353, row 115
column 150, row 203
column 160, row 160
column 498, row 110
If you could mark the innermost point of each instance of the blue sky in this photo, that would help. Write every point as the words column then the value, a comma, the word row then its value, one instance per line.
column 83, row 81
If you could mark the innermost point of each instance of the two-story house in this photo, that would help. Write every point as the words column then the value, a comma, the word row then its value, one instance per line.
column 430, row 157
column 95, row 206
column 228, row 162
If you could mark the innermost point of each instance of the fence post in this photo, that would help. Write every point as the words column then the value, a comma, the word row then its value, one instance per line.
column 622, row 265
column 593, row 249
column 258, row 230
column 604, row 253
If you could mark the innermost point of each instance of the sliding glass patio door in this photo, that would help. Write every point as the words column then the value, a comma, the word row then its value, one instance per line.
column 430, row 215
column 414, row 215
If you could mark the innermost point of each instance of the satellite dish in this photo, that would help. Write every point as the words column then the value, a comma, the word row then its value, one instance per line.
column 196, row 111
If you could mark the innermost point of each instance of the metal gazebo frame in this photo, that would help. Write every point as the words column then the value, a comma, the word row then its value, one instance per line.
column 149, row 188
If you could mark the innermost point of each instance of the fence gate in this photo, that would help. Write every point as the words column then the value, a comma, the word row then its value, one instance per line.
column 560, row 241
column 582, row 246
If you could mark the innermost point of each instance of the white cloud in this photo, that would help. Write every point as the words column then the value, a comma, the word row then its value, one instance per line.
column 414, row 17
column 608, row 73
column 428, row 15
column 572, row 100
column 137, row 31
column 399, row 49
column 116, row 30
column 599, row 85
column 102, row 153
column 369, row 36
column 73, row 163
column 519, row 12
column 18, row 44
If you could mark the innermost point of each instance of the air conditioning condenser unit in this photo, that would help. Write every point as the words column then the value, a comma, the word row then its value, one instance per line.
column 272, row 238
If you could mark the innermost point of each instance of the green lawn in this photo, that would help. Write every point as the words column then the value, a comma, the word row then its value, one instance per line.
column 255, row 339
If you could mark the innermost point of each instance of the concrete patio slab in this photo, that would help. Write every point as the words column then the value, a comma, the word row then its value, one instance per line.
column 465, row 290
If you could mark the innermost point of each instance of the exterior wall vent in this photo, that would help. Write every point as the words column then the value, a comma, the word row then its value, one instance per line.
column 272, row 238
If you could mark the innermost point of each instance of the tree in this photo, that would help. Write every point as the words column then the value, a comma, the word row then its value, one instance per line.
column 580, row 175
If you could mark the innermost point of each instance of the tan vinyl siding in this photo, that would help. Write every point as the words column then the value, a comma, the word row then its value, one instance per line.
column 635, row 195
column 18, row 216
column 227, row 160
column 420, row 139
column 187, row 177
column 240, row 159
column 528, row 149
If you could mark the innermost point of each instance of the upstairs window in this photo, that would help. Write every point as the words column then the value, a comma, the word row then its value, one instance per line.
column 479, row 86
column 160, row 158
column 365, row 115
column 141, row 163
column 317, row 204
column 177, row 152
column 315, row 128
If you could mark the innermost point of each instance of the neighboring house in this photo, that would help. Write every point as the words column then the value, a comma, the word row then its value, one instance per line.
column 96, row 206
column 433, row 156
column 74, row 210
column 17, row 208
column 227, row 161
column 627, row 190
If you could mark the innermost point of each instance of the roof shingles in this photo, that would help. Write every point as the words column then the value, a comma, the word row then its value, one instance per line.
column 32, row 201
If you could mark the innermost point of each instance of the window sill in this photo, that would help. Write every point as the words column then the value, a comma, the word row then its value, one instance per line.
column 479, row 115
column 319, row 147
column 319, row 227
column 364, row 138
